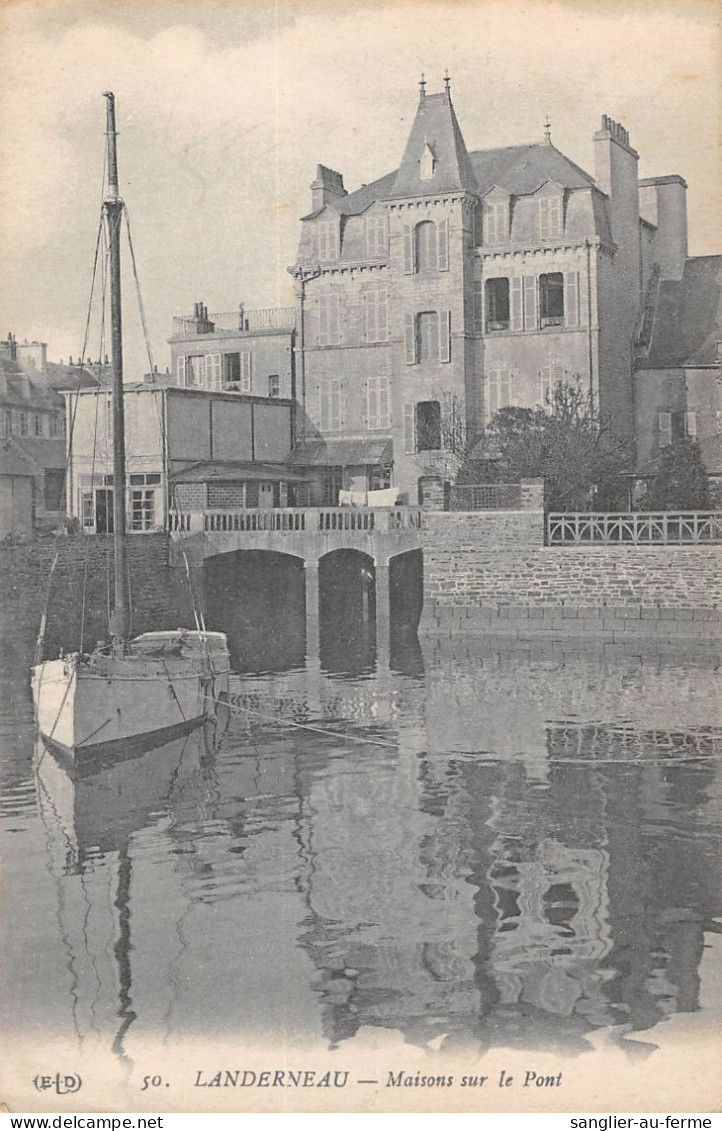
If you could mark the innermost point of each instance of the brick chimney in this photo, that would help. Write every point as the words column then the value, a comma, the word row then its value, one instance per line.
column 663, row 201
column 200, row 314
column 327, row 186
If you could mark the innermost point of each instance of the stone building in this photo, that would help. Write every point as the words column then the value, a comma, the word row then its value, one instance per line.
column 678, row 364
column 462, row 282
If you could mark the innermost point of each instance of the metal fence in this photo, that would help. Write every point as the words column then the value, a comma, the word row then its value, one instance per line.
column 273, row 318
column 486, row 497
column 642, row 528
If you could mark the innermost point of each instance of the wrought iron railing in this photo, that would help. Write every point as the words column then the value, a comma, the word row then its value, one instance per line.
column 273, row 318
column 641, row 528
column 486, row 497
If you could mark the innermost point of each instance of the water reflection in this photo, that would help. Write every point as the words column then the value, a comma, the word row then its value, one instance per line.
column 506, row 849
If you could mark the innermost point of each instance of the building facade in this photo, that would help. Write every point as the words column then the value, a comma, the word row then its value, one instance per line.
column 186, row 449
column 462, row 282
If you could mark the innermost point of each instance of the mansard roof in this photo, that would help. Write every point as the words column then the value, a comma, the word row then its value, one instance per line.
column 518, row 169
column 688, row 319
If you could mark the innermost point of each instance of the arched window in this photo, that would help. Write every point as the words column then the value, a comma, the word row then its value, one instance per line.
column 426, row 249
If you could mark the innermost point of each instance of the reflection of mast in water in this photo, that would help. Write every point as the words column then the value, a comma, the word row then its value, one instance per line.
column 91, row 818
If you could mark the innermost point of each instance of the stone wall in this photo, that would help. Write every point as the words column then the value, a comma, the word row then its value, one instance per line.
column 159, row 595
column 489, row 572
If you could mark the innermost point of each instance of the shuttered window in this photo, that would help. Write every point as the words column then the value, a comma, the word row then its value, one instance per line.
column 550, row 217
column 327, row 240
column 246, row 371
column 571, row 298
column 409, row 429
column 409, row 250
column 376, row 237
column 499, row 389
column 531, row 312
column 410, row 339
column 442, row 245
column 181, row 371
column 517, row 303
column 332, row 398
column 376, row 316
column 328, row 323
column 444, row 335
column 378, row 406
column 496, row 222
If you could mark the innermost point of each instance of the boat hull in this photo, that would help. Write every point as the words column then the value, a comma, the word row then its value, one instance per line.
column 103, row 706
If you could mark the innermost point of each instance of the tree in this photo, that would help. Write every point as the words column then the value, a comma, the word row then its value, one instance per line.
column 567, row 443
column 681, row 481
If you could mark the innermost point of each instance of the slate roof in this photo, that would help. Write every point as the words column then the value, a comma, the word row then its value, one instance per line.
column 688, row 317
column 435, row 125
column 519, row 169
column 236, row 472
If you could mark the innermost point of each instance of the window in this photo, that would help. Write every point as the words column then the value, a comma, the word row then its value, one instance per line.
column 496, row 222
column 427, row 332
column 214, row 371
column 139, row 479
column 427, row 163
column 426, row 258
column 428, row 426
column 246, row 371
column 238, row 370
column 37, row 424
column 376, row 316
column 53, row 488
column 327, row 240
column 497, row 304
column 690, row 424
column 331, row 480
column 428, row 336
column 87, row 509
column 550, row 216
column 332, row 398
column 378, row 406
column 379, row 478
column 551, row 299
column 142, row 509
column 550, row 377
column 6, row 423
column 426, row 247
column 499, row 390
column 22, row 424
column 274, row 385
column 195, row 371
column 376, row 241
column 328, row 325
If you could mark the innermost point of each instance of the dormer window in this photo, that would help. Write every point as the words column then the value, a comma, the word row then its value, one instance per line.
column 496, row 221
column 427, row 164
column 550, row 216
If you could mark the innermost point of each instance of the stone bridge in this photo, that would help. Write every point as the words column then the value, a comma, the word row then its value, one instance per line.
column 306, row 533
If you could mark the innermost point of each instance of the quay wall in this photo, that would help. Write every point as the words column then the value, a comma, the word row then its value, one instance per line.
column 489, row 572
column 160, row 595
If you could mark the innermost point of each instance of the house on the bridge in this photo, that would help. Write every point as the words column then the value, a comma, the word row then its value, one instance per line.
column 464, row 281
column 187, row 449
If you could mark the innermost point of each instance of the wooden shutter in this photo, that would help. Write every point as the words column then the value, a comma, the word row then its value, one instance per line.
column 690, row 424
column 369, row 309
column 444, row 335
column 372, row 412
column 213, row 372
column 442, row 245
column 531, row 316
column 382, row 316
column 571, row 298
column 410, row 339
column 246, row 371
column 516, row 303
column 478, row 308
column 665, row 429
column 181, row 376
column 409, row 429
column 409, row 265
column 384, row 402
column 555, row 215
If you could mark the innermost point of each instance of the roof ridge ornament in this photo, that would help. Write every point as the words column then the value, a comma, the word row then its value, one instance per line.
column 547, row 131
column 447, row 84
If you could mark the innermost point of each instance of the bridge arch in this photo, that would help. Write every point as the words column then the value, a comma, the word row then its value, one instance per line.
column 257, row 597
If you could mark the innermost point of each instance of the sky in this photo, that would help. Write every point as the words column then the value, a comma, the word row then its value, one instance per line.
column 225, row 107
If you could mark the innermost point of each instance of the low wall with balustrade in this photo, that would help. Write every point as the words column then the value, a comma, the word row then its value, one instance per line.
column 612, row 577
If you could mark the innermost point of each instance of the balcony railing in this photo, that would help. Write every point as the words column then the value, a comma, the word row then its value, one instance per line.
column 486, row 497
column 642, row 528
column 238, row 321
column 293, row 520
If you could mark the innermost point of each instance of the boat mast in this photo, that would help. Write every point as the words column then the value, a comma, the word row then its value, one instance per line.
column 113, row 211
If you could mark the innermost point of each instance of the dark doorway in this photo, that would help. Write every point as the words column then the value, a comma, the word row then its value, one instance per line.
column 104, row 510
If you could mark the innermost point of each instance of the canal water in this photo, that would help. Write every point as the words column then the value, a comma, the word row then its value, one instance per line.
column 458, row 843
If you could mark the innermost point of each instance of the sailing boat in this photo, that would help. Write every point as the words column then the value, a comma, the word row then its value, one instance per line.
column 140, row 693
